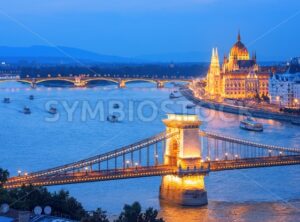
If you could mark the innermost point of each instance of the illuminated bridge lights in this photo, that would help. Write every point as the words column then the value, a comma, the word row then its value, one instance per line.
column 245, row 142
column 234, row 159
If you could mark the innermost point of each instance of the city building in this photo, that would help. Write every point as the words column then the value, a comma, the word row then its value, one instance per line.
column 240, row 77
column 285, row 88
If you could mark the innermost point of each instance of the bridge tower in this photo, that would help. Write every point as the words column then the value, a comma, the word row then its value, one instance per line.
column 183, row 151
column 79, row 82
column 33, row 83
column 122, row 84
column 160, row 84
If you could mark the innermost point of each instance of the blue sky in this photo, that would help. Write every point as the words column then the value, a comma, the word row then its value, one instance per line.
column 141, row 27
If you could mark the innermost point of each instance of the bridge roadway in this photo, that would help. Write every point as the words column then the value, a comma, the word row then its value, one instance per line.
column 83, row 80
column 147, row 142
column 104, row 157
column 159, row 170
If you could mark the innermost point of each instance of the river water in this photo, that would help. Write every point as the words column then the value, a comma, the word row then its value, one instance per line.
column 38, row 141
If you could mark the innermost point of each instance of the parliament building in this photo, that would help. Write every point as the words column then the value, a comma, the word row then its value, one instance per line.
column 239, row 77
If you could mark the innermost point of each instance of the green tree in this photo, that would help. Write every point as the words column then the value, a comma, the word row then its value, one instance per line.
column 133, row 213
column 150, row 215
column 96, row 216
column 4, row 174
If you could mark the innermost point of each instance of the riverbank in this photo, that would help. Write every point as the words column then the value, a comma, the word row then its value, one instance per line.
column 242, row 111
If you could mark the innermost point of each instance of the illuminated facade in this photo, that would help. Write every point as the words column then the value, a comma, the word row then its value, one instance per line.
column 183, row 151
column 285, row 88
column 238, row 78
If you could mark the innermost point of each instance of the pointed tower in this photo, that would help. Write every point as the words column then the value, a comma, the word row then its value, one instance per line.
column 213, row 87
column 239, row 36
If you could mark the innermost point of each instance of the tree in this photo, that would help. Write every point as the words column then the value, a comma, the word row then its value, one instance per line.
column 133, row 213
column 130, row 213
column 96, row 216
column 150, row 215
column 4, row 174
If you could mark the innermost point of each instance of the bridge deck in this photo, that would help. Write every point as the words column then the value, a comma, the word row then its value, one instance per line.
column 136, row 172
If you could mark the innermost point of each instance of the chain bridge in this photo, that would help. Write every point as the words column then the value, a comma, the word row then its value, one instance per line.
column 183, row 155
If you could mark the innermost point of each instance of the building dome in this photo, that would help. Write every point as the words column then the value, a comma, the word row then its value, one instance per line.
column 239, row 50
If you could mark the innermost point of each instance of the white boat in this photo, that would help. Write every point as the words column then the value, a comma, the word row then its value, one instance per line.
column 52, row 110
column 173, row 96
column 250, row 124
column 112, row 118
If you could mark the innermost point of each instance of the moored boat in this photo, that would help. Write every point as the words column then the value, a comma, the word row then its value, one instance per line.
column 250, row 124
column 190, row 106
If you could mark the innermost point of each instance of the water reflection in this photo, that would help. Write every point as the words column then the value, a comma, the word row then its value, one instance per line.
column 226, row 211
column 37, row 143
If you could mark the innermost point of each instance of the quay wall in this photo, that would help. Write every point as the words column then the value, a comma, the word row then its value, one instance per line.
column 188, row 94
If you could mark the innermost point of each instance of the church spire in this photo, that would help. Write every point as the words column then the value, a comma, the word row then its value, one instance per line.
column 239, row 36
column 214, row 63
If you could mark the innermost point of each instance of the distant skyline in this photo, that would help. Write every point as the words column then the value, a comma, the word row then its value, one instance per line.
column 137, row 28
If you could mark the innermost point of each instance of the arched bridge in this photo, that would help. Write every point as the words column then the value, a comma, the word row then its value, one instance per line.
column 84, row 80
column 182, row 154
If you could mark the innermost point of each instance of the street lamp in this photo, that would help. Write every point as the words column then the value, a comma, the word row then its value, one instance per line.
column 226, row 156
column 19, row 172
column 270, row 153
column 136, row 165
column 296, row 101
column 156, row 159
column 127, row 163
column 86, row 170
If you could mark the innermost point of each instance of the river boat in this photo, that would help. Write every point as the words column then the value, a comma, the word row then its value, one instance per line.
column 250, row 124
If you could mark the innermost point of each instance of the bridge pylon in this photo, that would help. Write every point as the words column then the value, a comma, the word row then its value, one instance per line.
column 184, row 152
column 33, row 83
column 79, row 82
column 122, row 84
column 160, row 84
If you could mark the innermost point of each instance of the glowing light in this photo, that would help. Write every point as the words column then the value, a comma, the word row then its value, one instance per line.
column 183, row 117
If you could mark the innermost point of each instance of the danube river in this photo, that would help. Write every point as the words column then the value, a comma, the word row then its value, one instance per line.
column 39, row 141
